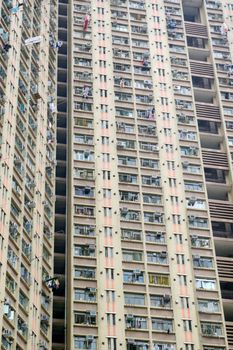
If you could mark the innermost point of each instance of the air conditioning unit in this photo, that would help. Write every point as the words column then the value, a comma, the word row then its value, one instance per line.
column 124, row 211
column 44, row 318
column 31, row 205
column 91, row 247
column 129, row 317
column 89, row 338
column 86, row 153
column 32, row 184
column 17, row 161
column 13, row 227
column 120, row 144
column 192, row 200
column 137, row 272
column 185, row 164
column 163, row 254
column 196, row 257
column 7, row 333
column 92, row 290
column 166, row 298
column 192, row 218
column 150, row 98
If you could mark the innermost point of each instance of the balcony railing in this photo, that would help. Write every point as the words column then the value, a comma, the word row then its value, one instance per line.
column 225, row 268
column 221, row 210
column 229, row 328
column 215, row 158
column 201, row 68
column 207, row 111
column 196, row 29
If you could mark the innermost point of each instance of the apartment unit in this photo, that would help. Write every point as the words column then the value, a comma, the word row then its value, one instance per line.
column 144, row 235
column 28, row 47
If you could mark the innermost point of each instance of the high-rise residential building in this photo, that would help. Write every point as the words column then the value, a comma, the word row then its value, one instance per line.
column 144, row 224
column 28, row 50
column 138, row 255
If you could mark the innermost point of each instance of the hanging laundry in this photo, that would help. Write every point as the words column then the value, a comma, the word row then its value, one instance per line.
column 16, row 8
column 52, row 107
column 33, row 40
column 86, row 90
column 7, row 47
column 152, row 114
column 4, row 35
column 86, row 22
column 122, row 83
column 53, row 283
column 224, row 29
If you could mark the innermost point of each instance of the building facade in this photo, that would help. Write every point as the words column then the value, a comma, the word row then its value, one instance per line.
column 143, row 246
column 28, row 47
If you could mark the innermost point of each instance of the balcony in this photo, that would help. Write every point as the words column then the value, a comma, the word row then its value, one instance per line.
column 131, row 235
column 225, row 268
column 136, row 344
column 135, row 322
column 221, row 210
column 214, row 159
column 202, row 68
column 133, row 276
column 208, row 111
column 196, row 29
column 229, row 329
column 222, row 229
column 215, row 175
column 85, row 318
column 162, row 325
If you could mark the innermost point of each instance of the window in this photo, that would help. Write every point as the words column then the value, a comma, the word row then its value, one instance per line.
column 163, row 301
column 108, row 252
column 133, row 276
column 193, row 186
column 84, row 250
column 88, row 318
column 211, row 329
column 88, row 294
column 109, row 273
column 206, row 284
column 208, row 305
column 184, row 301
column 198, row 241
column 108, row 231
column 180, row 259
column 131, row 234
column 84, row 272
column 187, row 324
column 132, row 321
column 182, row 280
column 163, row 346
column 127, row 178
column 85, row 342
column 156, row 217
column 162, row 325
column 107, row 193
column 158, row 279
column 178, row 238
column 134, row 299
column 84, row 230
column 204, row 262
column 132, row 255
column 84, row 155
column 125, row 160
column 149, row 163
column 155, row 237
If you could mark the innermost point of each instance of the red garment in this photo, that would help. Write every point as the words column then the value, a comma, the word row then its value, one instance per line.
column 86, row 22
